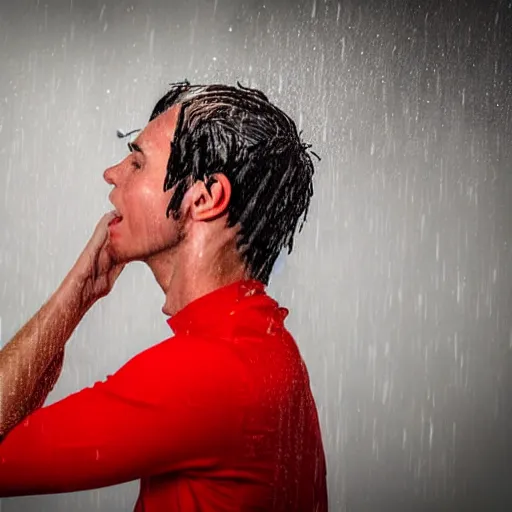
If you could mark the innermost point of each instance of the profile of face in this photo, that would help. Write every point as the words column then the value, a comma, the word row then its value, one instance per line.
column 143, row 229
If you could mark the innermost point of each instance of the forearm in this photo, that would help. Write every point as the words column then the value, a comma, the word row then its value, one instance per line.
column 31, row 362
column 46, row 384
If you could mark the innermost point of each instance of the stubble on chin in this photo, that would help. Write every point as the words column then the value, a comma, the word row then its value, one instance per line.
column 115, row 255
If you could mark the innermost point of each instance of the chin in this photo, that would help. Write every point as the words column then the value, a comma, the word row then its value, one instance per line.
column 123, row 255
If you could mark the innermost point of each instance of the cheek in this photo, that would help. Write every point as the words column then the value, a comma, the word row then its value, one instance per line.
column 147, row 207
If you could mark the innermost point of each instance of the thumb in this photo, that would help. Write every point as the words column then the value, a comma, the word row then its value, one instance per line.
column 101, row 231
column 87, row 260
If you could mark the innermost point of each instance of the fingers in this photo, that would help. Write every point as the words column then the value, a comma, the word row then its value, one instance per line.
column 104, row 260
column 101, row 231
column 107, row 218
column 88, row 264
column 114, row 273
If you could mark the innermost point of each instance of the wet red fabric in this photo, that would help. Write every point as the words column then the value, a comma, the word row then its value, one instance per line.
column 219, row 417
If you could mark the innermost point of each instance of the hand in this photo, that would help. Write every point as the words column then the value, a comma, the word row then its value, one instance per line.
column 96, row 270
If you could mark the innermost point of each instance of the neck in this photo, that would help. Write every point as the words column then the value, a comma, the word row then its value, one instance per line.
column 197, row 266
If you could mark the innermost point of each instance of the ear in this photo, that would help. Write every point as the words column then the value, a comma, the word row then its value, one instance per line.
column 210, row 200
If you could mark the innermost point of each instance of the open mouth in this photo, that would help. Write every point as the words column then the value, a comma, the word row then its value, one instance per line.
column 117, row 219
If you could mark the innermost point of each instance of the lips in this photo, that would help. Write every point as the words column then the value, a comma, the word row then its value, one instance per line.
column 117, row 219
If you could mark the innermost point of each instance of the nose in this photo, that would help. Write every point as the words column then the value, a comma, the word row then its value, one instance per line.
column 115, row 174
column 109, row 175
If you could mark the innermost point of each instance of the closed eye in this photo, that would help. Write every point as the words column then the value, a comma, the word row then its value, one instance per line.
column 137, row 153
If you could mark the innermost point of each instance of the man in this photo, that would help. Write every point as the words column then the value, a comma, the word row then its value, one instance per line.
column 219, row 417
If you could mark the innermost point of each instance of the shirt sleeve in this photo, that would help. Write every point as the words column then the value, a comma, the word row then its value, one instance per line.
column 173, row 407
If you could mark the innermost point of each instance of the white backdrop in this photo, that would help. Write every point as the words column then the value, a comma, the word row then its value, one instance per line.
column 399, row 285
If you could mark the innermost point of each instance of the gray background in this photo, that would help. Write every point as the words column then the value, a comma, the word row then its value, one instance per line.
column 399, row 287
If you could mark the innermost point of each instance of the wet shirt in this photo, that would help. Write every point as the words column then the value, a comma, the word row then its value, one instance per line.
column 219, row 417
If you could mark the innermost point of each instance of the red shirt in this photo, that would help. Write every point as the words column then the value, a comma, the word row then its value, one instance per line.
column 219, row 417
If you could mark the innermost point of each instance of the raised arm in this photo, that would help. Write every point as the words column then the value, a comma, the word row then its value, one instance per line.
column 176, row 406
column 31, row 362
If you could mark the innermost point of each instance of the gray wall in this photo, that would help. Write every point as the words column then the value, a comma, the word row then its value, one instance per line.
column 400, row 284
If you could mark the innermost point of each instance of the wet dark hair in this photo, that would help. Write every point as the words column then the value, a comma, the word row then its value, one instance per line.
column 238, row 132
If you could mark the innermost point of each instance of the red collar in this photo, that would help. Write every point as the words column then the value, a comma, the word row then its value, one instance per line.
column 215, row 312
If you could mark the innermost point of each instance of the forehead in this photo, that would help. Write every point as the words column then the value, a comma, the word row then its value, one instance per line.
column 160, row 131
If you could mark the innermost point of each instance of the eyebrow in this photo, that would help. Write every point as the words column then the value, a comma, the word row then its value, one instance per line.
column 132, row 146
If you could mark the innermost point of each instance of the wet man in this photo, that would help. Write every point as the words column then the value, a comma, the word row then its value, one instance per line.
column 220, row 416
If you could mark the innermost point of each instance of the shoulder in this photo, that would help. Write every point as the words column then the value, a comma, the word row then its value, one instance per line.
column 185, row 365
column 182, row 350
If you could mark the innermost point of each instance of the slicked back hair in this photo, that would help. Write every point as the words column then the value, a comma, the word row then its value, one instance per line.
column 238, row 132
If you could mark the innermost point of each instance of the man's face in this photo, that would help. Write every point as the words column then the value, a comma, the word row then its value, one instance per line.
column 138, row 195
